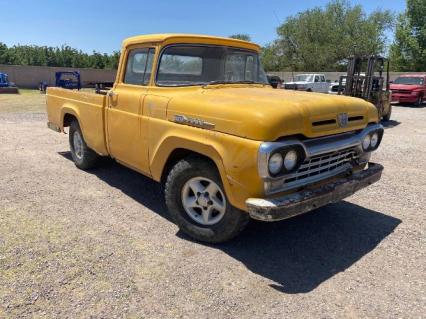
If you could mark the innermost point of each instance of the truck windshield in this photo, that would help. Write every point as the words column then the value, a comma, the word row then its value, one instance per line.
column 185, row 65
column 409, row 80
column 303, row 78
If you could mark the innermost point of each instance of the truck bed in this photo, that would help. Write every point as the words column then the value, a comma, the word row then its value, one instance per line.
column 88, row 107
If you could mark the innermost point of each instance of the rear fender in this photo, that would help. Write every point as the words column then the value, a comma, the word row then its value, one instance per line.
column 68, row 108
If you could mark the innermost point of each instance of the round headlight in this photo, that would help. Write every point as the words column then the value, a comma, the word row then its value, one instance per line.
column 290, row 160
column 374, row 140
column 366, row 142
column 275, row 163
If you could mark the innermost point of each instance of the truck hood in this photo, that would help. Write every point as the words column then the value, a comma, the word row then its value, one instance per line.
column 405, row 87
column 266, row 114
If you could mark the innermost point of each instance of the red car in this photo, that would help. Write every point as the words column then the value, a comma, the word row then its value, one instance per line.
column 409, row 88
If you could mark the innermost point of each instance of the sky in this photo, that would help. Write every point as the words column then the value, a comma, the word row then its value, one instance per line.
column 102, row 25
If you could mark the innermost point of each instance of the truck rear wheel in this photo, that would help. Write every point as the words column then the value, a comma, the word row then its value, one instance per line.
column 83, row 157
column 197, row 202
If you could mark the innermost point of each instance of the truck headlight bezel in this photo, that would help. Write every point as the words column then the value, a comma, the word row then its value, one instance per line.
column 374, row 139
column 286, row 152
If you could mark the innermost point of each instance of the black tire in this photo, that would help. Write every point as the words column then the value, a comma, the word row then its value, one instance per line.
column 387, row 116
column 87, row 158
column 233, row 220
column 419, row 101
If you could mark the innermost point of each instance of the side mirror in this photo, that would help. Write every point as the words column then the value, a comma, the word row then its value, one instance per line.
column 390, row 82
column 328, row 81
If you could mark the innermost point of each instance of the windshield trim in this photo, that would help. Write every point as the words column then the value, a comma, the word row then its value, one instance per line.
column 157, row 66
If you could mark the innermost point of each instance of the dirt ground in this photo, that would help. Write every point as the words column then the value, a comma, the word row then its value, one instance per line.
column 99, row 244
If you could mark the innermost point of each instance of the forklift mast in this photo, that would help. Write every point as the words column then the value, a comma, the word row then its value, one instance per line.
column 364, row 79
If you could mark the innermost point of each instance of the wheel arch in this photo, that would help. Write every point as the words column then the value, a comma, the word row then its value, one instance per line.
column 68, row 114
column 174, row 149
column 177, row 155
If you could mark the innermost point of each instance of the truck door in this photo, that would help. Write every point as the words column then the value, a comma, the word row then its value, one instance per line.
column 125, row 120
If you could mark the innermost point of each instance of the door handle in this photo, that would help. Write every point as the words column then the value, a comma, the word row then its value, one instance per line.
column 111, row 95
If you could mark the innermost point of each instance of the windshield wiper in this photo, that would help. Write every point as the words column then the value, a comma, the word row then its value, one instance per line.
column 232, row 82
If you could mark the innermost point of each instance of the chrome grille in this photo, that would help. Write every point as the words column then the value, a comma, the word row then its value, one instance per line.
column 320, row 167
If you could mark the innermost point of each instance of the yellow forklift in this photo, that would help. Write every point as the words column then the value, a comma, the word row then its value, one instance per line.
column 365, row 80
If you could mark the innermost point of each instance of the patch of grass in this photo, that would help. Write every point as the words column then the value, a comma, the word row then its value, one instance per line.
column 28, row 91
column 27, row 101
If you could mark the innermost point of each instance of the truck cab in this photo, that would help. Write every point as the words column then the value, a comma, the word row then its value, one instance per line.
column 197, row 114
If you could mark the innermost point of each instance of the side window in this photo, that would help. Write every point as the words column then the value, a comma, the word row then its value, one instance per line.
column 316, row 78
column 322, row 78
column 139, row 66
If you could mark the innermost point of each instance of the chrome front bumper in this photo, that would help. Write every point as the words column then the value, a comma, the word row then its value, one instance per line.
column 312, row 197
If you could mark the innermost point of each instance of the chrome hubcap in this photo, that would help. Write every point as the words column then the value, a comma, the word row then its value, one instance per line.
column 78, row 145
column 203, row 201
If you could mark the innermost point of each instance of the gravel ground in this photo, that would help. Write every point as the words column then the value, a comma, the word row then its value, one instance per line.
column 99, row 244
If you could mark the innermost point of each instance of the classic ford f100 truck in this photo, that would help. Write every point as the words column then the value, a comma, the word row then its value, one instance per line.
column 197, row 114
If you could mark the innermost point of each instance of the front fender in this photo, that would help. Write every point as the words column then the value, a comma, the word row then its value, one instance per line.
column 235, row 159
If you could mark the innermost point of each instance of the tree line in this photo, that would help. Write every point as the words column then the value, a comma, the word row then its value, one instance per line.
column 64, row 56
column 318, row 39
column 321, row 39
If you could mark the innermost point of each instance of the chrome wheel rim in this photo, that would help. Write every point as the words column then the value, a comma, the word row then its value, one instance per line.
column 203, row 201
column 77, row 145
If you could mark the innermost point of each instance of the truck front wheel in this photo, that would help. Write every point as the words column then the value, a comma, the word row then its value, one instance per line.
column 197, row 202
column 83, row 157
column 419, row 100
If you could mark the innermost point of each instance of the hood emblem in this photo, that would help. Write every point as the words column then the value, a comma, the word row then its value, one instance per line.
column 342, row 119
column 182, row 119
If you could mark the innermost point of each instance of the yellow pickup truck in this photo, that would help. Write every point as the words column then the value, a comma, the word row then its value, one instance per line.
column 197, row 114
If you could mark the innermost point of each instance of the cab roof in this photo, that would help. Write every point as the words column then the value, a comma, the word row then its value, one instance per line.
column 188, row 38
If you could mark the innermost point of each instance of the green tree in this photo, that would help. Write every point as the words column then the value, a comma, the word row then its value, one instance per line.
column 271, row 57
column 408, row 51
column 65, row 56
column 241, row 36
column 3, row 53
column 320, row 39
